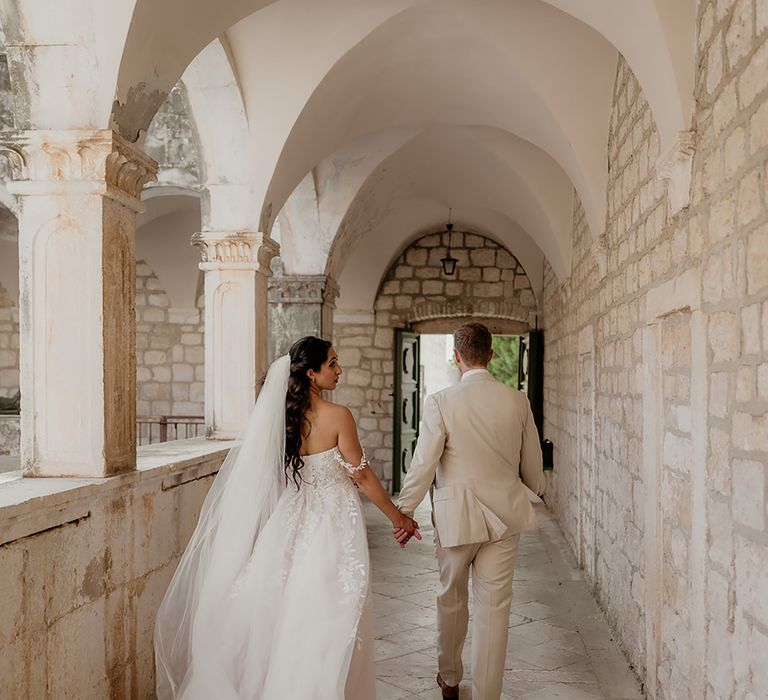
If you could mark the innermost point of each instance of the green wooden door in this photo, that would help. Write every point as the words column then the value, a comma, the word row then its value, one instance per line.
column 407, row 403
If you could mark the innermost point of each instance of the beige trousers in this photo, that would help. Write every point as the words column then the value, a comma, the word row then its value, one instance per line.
column 492, row 565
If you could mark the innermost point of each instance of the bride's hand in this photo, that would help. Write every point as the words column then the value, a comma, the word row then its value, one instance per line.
column 403, row 528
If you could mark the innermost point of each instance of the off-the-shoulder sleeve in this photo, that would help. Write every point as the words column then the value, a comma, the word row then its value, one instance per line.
column 351, row 468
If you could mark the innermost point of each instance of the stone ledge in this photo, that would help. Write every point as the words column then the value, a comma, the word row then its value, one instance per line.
column 32, row 505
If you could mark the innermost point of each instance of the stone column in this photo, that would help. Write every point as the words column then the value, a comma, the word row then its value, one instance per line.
column 78, row 197
column 300, row 305
column 236, row 266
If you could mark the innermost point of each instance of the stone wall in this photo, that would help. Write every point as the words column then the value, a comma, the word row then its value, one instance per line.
column 487, row 275
column 9, row 313
column 10, row 440
column 83, row 570
column 299, row 305
column 172, row 141
column 659, row 420
column 9, row 345
column 729, row 194
column 170, row 354
column 569, row 375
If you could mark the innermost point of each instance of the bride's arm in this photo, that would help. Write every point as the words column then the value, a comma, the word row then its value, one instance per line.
column 365, row 478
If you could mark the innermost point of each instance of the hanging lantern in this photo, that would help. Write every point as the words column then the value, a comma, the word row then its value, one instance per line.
column 449, row 262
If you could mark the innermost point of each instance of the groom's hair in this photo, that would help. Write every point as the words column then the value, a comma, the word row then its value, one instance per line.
column 474, row 342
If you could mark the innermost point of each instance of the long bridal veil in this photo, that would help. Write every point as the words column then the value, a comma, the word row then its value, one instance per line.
column 188, row 647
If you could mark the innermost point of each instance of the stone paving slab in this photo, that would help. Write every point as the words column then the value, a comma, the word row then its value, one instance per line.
column 560, row 645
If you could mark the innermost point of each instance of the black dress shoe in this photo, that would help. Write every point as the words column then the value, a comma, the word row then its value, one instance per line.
column 450, row 692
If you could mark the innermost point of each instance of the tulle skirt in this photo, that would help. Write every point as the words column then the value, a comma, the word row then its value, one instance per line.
column 295, row 625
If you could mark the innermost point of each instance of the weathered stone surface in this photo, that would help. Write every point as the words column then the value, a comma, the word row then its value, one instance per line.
column 749, row 493
column 757, row 260
column 713, row 408
column 10, row 435
column 82, row 595
column 171, row 141
column 162, row 347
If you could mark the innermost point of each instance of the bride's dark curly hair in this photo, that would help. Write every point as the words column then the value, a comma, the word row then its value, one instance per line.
column 307, row 353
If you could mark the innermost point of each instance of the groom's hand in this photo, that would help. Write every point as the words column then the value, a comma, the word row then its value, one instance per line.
column 402, row 536
column 403, row 528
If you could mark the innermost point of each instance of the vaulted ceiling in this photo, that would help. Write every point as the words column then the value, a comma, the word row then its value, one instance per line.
column 361, row 121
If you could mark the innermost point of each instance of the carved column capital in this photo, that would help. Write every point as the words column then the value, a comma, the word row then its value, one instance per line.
column 236, row 249
column 331, row 292
column 99, row 161
column 676, row 166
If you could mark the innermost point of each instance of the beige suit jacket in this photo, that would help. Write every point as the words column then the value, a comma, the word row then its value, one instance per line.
column 479, row 445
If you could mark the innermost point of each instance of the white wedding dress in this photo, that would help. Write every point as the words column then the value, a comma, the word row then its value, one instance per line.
column 278, row 612
column 294, row 612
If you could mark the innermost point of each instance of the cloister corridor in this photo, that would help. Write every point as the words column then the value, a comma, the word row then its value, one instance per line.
column 189, row 186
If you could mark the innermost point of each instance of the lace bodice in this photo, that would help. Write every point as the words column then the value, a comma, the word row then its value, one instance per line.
column 326, row 469
column 328, row 495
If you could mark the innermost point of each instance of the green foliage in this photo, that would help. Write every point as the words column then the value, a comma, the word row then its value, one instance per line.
column 506, row 353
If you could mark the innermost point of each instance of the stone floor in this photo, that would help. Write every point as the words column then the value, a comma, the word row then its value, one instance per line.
column 560, row 645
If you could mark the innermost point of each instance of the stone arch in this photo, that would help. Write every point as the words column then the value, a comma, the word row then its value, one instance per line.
column 141, row 55
column 221, row 131
column 442, row 317
column 163, row 240
column 172, row 142
column 156, row 53
column 417, row 88
column 489, row 280
column 581, row 154
column 664, row 61
column 504, row 185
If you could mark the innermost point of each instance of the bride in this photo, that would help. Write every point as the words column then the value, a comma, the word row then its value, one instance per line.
column 269, row 599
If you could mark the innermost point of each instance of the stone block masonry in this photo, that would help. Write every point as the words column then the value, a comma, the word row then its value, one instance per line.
column 84, row 566
column 9, row 345
column 666, row 508
column 488, row 279
column 170, row 355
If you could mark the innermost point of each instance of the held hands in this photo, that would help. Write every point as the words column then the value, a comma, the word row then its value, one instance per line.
column 403, row 528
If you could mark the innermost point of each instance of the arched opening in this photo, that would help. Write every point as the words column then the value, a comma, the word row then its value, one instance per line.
column 415, row 295
column 170, row 355
column 10, row 428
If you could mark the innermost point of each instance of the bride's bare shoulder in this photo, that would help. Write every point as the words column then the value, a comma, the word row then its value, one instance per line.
column 335, row 410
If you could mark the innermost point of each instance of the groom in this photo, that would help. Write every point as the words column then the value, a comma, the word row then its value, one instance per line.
column 477, row 447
